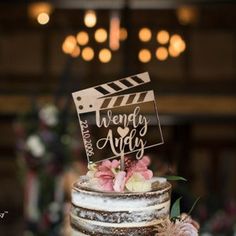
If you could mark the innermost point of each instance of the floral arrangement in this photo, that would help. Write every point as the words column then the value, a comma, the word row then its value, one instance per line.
column 109, row 177
column 136, row 177
column 183, row 226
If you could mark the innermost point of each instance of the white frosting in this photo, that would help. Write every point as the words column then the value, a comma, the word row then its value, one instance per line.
column 112, row 204
column 92, row 223
column 107, row 203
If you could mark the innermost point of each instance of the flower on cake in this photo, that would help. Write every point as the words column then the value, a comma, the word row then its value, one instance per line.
column 108, row 176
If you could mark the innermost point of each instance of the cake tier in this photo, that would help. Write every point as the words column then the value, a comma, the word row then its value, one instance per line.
column 109, row 213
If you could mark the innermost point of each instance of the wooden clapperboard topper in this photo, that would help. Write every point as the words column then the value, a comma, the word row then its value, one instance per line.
column 115, row 126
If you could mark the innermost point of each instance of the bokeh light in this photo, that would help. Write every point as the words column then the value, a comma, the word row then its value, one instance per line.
column 43, row 18
column 123, row 34
column 100, row 35
column 163, row 37
column 36, row 8
column 69, row 44
column 161, row 53
column 76, row 52
column 177, row 43
column 87, row 54
column 144, row 55
column 173, row 52
column 187, row 15
column 105, row 55
column 90, row 18
column 145, row 34
column 82, row 38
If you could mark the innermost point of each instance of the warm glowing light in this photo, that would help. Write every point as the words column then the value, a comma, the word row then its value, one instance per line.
column 36, row 8
column 123, row 34
column 87, row 54
column 163, row 37
column 175, row 38
column 145, row 34
column 187, row 15
column 161, row 53
column 90, row 18
column 105, row 55
column 114, row 35
column 182, row 46
column 69, row 44
column 82, row 38
column 177, row 43
column 43, row 18
column 76, row 52
column 100, row 35
column 173, row 52
column 144, row 55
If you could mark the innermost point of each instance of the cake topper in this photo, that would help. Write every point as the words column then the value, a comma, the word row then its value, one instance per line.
column 115, row 126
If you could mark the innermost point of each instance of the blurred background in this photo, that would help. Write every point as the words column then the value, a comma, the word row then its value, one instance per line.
column 50, row 49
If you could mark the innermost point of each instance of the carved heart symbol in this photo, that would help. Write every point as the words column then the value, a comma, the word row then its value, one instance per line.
column 123, row 131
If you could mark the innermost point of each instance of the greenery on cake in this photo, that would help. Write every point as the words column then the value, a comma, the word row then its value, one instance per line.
column 179, row 224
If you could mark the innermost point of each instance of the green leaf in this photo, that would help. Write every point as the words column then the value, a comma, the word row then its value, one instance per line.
column 175, row 209
column 193, row 206
column 175, row 178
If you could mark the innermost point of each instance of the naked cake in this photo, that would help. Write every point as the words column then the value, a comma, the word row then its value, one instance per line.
column 123, row 213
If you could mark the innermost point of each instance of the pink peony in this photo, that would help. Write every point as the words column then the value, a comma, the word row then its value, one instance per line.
column 141, row 167
column 106, row 174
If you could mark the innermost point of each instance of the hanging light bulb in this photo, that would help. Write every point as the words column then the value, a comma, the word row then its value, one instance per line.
column 187, row 15
column 163, row 37
column 114, row 37
column 90, row 18
column 40, row 11
column 144, row 55
column 82, row 38
column 69, row 44
column 177, row 43
column 105, row 55
column 87, row 54
column 145, row 34
column 123, row 34
column 161, row 53
column 173, row 52
column 100, row 35
column 43, row 18
column 76, row 52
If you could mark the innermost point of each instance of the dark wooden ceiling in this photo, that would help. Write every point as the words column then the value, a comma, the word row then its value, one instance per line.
column 32, row 62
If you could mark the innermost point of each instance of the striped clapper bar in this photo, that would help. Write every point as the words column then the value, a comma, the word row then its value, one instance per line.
column 109, row 131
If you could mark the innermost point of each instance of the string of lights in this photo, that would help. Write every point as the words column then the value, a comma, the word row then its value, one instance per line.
column 109, row 40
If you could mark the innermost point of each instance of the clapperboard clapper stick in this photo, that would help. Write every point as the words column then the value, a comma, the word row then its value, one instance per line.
column 98, row 110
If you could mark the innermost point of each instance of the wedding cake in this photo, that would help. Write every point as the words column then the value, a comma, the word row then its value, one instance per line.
column 119, row 195
column 110, row 201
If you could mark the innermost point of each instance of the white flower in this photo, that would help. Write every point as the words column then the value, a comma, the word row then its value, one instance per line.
column 35, row 146
column 49, row 115
column 137, row 183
